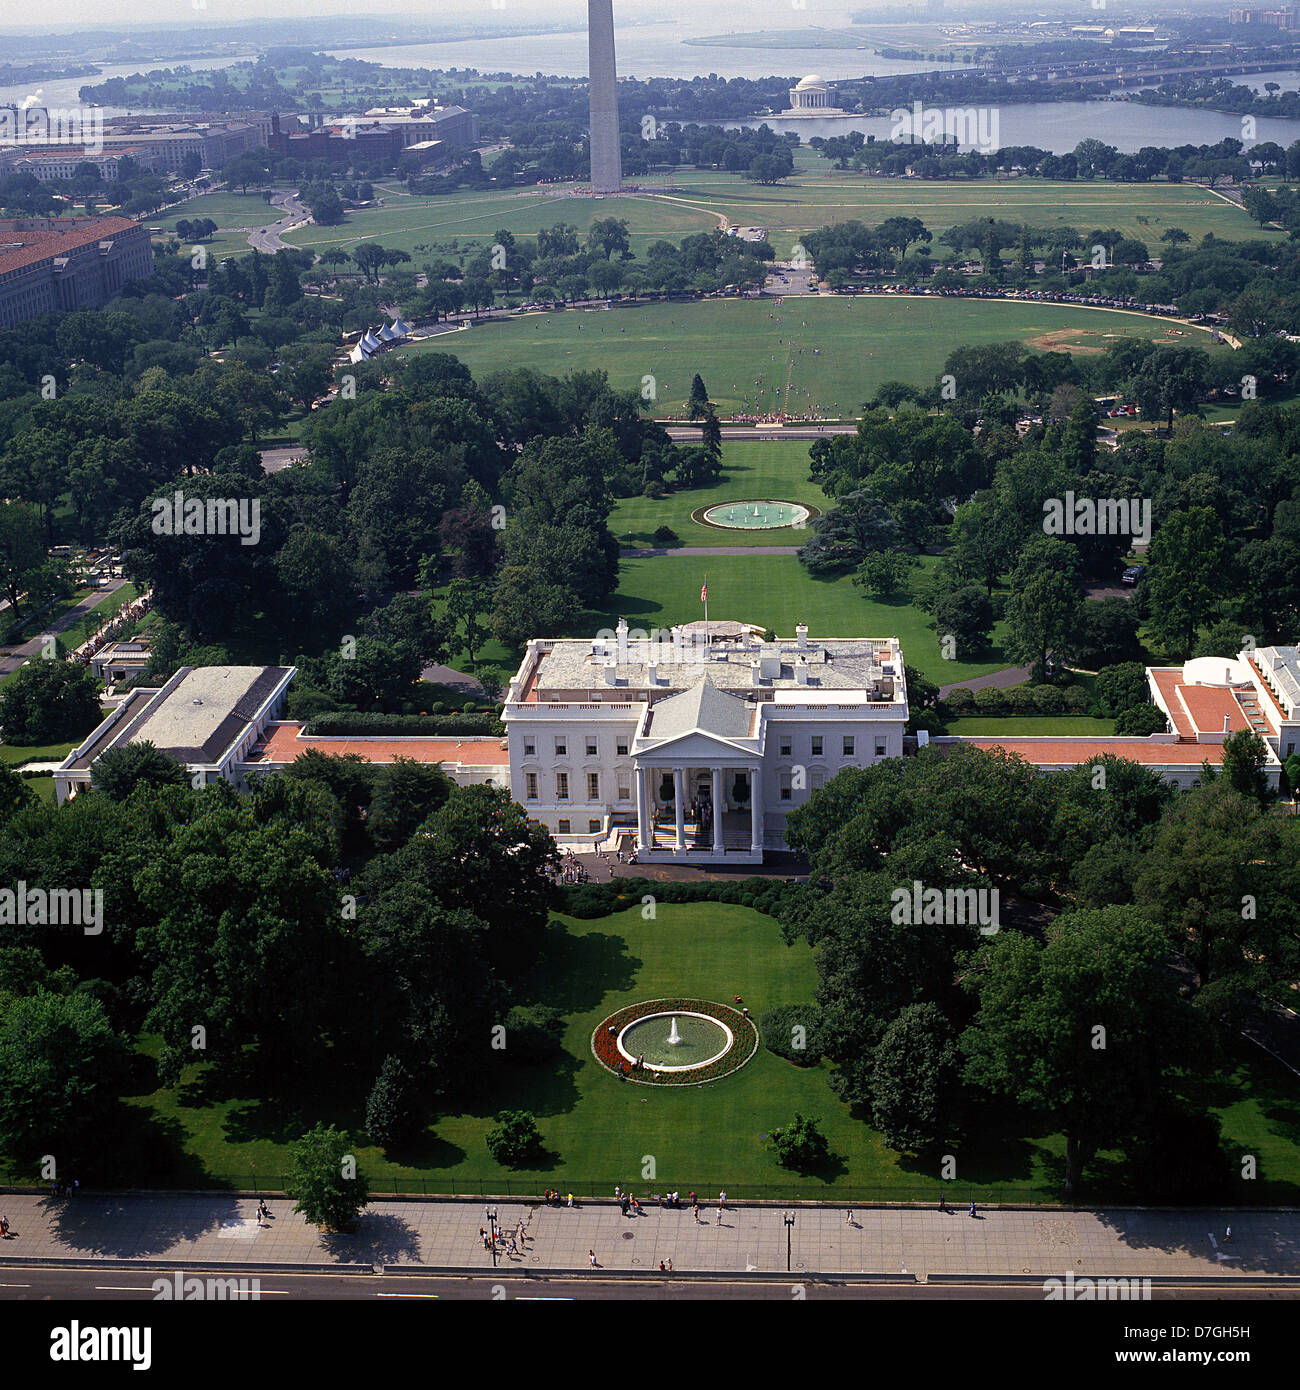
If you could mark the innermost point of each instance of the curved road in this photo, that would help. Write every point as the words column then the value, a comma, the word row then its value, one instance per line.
column 268, row 238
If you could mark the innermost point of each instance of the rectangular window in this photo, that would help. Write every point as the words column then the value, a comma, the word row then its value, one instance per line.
column 530, row 748
column 786, row 747
column 593, row 786
column 621, row 747
column 817, row 746
column 786, row 793
column 561, row 786
column 591, row 747
column 563, row 828
column 561, row 747
column 530, row 780
column 624, row 793
column 880, row 750
column 593, row 827
column 848, row 747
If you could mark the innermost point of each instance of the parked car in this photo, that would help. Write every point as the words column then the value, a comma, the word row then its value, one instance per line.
column 1132, row 575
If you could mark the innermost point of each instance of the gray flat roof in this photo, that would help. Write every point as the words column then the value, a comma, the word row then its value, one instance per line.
column 195, row 717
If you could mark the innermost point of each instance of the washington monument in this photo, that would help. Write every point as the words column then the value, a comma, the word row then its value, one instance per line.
column 606, row 157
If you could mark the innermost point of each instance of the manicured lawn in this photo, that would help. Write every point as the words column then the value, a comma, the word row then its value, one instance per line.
column 825, row 354
column 776, row 471
column 599, row 1131
column 1032, row 726
column 15, row 754
column 817, row 195
column 43, row 787
column 778, row 593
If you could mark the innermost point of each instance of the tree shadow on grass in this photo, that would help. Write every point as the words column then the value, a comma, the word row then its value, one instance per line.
column 425, row 1150
column 575, row 972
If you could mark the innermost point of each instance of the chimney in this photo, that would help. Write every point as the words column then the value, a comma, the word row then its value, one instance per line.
column 1227, row 675
column 801, row 671
column 611, row 671
column 801, row 632
column 1227, row 723
column 677, row 644
column 621, row 635
column 652, row 673
column 756, row 672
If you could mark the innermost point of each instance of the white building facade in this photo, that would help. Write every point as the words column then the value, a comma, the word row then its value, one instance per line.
column 693, row 745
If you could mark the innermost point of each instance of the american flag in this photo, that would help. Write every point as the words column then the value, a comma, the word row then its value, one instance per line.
column 704, row 592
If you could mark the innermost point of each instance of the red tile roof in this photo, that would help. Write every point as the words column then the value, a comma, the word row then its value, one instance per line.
column 1168, row 683
column 1208, row 705
column 1067, row 752
column 44, row 245
column 287, row 741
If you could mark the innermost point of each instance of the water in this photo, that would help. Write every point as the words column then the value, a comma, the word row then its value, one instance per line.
column 63, row 93
column 652, row 50
column 1059, row 126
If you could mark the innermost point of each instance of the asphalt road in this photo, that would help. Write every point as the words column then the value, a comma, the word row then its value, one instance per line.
column 18, row 1284
column 11, row 658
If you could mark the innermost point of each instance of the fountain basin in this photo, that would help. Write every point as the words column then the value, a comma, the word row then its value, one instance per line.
column 702, row 1040
column 756, row 515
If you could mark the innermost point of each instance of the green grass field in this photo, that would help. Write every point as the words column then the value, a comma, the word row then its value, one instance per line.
column 817, row 195
column 15, row 754
column 822, row 354
column 777, row 471
column 598, row 1130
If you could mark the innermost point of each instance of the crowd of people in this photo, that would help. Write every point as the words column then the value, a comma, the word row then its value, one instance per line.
column 128, row 615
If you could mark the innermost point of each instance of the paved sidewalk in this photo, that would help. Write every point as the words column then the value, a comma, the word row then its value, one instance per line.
column 164, row 1229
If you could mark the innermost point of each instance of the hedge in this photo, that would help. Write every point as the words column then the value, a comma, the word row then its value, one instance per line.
column 1017, row 700
column 341, row 722
column 588, row 900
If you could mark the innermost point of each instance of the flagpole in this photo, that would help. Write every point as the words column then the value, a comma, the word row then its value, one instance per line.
column 706, row 609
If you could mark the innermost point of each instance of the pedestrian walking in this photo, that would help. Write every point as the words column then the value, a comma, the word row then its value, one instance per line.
column 4, row 1227
column 848, row 1218
column 510, row 1247
column 972, row 1209
column 719, row 1213
column 591, row 1255
column 695, row 1211
column 1227, row 1235
column 943, row 1201
column 670, row 1264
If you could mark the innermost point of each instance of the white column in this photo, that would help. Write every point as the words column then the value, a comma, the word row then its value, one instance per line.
column 678, row 798
column 718, row 849
column 642, row 788
column 756, row 809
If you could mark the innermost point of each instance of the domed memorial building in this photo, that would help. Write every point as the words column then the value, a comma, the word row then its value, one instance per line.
column 812, row 95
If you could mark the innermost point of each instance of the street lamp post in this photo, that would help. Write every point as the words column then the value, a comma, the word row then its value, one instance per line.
column 492, row 1234
column 788, row 1218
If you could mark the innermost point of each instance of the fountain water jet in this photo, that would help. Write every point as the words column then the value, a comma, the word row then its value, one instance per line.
column 674, row 1037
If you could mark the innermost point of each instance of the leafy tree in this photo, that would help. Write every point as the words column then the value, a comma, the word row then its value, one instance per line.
column 118, row 772
column 967, row 615
column 405, row 793
column 1042, row 612
column 1088, row 1026
column 534, row 1033
column 327, row 1186
column 1245, row 757
column 794, row 1032
column 62, row 1067
column 1188, row 570
column 516, row 1140
column 699, row 397
column 1120, row 687
column 884, row 573
column 49, row 701
column 800, row 1145
column 391, row 1113
column 914, row 1079
column 1139, row 721
column 22, row 549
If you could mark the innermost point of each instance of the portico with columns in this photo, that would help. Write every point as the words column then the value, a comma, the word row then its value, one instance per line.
column 695, row 744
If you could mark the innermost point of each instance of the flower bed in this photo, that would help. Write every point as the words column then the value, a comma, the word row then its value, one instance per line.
column 604, row 1041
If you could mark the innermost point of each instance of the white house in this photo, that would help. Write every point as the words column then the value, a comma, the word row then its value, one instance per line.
column 695, row 744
